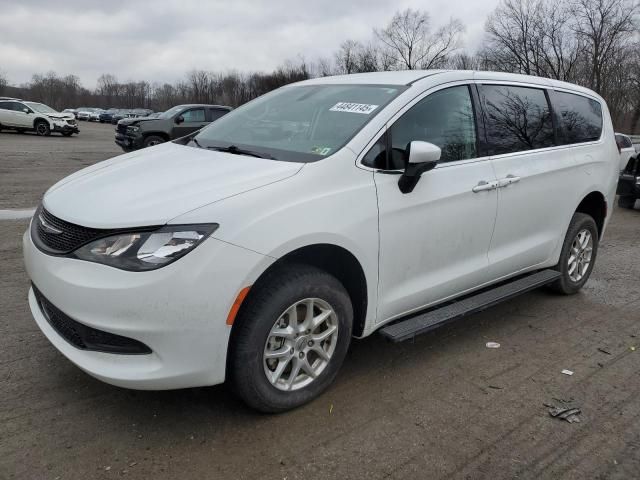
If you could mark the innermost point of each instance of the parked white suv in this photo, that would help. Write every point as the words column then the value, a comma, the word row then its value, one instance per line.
column 255, row 249
column 23, row 115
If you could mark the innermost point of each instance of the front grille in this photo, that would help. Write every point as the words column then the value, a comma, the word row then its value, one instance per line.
column 87, row 338
column 57, row 236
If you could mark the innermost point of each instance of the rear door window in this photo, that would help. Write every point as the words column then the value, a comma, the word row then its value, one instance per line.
column 580, row 118
column 216, row 113
column 5, row 106
column 516, row 119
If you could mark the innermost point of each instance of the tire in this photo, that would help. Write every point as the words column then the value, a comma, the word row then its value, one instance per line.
column 270, row 303
column 42, row 128
column 572, row 281
column 152, row 140
column 626, row 202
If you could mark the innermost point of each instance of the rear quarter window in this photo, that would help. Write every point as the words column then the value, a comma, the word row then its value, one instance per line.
column 580, row 118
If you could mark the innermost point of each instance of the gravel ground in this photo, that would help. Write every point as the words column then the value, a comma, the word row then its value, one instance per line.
column 444, row 406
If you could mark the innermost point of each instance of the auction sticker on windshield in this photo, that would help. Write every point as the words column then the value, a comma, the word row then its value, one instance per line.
column 348, row 107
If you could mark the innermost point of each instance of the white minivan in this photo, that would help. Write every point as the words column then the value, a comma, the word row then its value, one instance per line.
column 254, row 249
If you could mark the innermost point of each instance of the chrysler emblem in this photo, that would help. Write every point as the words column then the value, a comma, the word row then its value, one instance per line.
column 48, row 227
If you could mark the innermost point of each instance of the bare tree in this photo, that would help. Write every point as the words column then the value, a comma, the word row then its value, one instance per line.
column 408, row 40
column 3, row 82
column 533, row 37
column 603, row 26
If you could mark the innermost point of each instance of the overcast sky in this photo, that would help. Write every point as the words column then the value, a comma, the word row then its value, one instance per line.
column 160, row 40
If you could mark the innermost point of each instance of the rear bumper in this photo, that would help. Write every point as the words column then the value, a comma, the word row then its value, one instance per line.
column 628, row 186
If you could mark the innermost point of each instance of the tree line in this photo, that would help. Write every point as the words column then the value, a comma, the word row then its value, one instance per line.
column 594, row 43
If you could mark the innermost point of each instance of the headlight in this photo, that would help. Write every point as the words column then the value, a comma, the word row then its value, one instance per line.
column 133, row 129
column 141, row 251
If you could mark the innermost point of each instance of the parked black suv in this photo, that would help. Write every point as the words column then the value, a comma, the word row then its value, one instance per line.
column 181, row 120
column 629, row 183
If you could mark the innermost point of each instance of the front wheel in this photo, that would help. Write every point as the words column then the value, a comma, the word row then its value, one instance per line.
column 152, row 140
column 578, row 254
column 626, row 202
column 42, row 129
column 290, row 338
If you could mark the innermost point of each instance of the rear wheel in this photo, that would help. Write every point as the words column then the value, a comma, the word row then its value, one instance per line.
column 152, row 140
column 578, row 254
column 626, row 202
column 290, row 338
column 42, row 128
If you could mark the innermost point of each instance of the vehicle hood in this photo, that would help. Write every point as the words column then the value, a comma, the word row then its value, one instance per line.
column 136, row 120
column 60, row 115
column 154, row 185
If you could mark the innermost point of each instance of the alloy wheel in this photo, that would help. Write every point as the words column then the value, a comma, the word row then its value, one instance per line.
column 300, row 344
column 580, row 255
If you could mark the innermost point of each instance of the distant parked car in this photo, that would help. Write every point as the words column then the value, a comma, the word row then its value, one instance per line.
column 94, row 116
column 135, row 133
column 83, row 113
column 119, row 115
column 626, row 149
column 23, row 115
column 107, row 115
column 72, row 111
column 141, row 112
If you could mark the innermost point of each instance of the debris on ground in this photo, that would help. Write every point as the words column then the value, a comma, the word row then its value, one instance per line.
column 493, row 345
column 495, row 387
column 604, row 351
column 563, row 413
column 633, row 349
column 567, row 372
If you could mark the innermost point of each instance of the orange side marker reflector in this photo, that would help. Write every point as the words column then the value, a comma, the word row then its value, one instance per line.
column 236, row 305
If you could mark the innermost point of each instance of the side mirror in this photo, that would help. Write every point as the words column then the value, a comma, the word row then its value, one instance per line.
column 423, row 156
column 179, row 119
column 26, row 110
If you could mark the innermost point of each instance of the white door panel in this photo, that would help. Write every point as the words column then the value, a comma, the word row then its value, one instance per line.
column 22, row 119
column 532, row 211
column 434, row 240
column 5, row 116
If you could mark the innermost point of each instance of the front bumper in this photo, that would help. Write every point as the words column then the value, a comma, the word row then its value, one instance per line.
column 628, row 186
column 65, row 128
column 178, row 311
column 129, row 142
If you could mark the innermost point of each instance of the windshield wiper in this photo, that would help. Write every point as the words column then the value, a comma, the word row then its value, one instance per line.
column 193, row 139
column 241, row 151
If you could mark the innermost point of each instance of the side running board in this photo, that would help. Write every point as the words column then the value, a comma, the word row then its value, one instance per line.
column 408, row 328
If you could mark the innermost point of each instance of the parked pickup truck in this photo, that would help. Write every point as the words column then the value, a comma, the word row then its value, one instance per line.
column 181, row 120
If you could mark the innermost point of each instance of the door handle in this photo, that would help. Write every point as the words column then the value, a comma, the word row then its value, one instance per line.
column 483, row 185
column 508, row 180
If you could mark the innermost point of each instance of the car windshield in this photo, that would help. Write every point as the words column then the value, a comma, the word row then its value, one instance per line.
column 40, row 107
column 171, row 112
column 298, row 123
